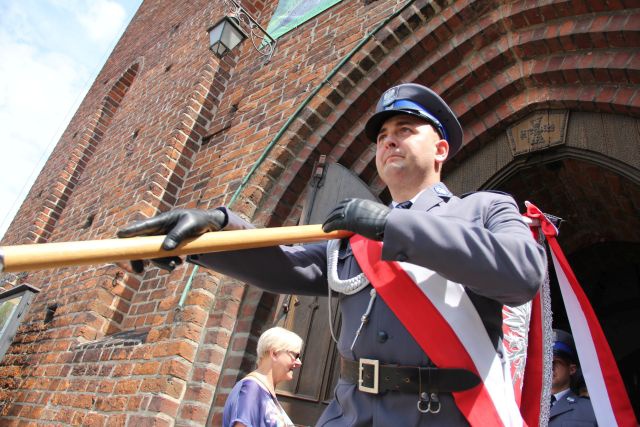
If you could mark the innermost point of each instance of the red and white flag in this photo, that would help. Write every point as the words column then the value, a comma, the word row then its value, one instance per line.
column 455, row 338
column 506, row 396
column 606, row 389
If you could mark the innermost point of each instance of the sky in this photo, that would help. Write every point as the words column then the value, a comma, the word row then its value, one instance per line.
column 50, row 53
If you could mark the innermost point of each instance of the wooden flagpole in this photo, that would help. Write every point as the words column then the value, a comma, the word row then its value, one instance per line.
column 61, row 254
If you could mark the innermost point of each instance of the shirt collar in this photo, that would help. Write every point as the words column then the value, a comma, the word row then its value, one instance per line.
column 412, row 200
column 439, row 189
column 559, row 395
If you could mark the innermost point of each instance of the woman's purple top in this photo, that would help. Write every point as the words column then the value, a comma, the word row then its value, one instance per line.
column 253, row 406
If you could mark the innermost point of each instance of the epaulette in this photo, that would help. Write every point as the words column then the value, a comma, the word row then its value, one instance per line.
column 442, row 191
column 485, row 191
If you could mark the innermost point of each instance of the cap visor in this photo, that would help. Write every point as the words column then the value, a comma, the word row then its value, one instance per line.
column 373, row 126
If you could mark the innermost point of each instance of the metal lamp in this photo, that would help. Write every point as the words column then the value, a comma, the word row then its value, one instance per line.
column 236, row 26
column 225, row 35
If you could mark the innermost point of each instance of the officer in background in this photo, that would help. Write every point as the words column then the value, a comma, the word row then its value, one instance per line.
column 567, row 408
column 478, row 242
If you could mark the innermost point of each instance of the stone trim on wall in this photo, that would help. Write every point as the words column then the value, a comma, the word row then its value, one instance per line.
column 611, row 136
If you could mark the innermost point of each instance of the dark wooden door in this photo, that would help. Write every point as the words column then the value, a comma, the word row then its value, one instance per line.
column 307, row 395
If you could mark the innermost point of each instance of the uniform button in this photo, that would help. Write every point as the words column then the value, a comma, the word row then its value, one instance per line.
column 382, row 336
column 401, row 257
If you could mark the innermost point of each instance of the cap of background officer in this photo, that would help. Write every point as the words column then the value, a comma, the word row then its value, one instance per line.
column 419, row 101
column 563, row 346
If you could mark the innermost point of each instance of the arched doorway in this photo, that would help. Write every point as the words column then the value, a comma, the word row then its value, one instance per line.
column 596, row 190
column 601, row 243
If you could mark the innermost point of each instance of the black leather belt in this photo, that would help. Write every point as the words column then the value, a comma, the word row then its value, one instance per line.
column 372, row 377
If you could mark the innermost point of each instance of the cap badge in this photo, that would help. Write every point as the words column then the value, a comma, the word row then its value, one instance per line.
column 389, row 96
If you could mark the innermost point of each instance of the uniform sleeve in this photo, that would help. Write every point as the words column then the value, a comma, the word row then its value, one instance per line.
column 493, row 254
column 281, row 269
column 247, row 407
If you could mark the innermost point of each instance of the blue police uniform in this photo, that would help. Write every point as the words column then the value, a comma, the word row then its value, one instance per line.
column 479, row 241
column 572, row 410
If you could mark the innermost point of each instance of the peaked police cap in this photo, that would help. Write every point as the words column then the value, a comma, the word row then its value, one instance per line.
column 564, row 346
column 420, row 101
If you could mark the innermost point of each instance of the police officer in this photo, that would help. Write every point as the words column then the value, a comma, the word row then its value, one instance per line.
column 567, row 408
column 478, row 242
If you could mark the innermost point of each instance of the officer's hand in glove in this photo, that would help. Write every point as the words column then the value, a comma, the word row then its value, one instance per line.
column 178, row 225
column 361, row 216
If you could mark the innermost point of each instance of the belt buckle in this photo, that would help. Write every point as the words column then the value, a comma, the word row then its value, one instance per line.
column 362, row 363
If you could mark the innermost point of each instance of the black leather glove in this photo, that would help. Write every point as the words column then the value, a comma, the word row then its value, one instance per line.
column 178, row 225
column 361, row 216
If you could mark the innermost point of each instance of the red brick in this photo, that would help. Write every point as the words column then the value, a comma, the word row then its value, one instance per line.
column 149, row 421
column 123, row 370
column 164, row 404
column 196, row 413
column 177, row 368
column 111, row 404
column 202, row 299
column 170, row 386
column 207, row 375
column 184, row 349
column 126, row 386
column 148, row 368
column 106, row 386
column 189, row 331
column 201, row 394
column 137, row 403
column 116, row 420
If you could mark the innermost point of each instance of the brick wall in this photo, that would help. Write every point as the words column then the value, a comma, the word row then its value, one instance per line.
column 167, row 124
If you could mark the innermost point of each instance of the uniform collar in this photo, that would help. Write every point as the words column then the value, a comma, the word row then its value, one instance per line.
column 564, row 404
column 438, row 189
column 412, row 200
column 559, row 395
column 431, row 196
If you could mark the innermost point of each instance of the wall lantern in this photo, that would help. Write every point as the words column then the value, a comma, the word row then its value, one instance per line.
column 224, row 36
column 236, row 26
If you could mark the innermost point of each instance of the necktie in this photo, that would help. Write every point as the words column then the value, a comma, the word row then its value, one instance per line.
column 553, row 400
column 404, row 205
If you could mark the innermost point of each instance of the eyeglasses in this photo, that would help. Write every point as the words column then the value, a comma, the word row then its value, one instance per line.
column 295, row 355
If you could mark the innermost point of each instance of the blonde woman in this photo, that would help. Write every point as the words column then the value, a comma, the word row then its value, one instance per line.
column 253, row 402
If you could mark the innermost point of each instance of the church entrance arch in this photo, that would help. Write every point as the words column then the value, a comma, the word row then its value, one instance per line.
column 591, row 179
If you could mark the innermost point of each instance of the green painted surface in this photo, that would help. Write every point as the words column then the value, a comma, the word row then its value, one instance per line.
column 291, row 13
